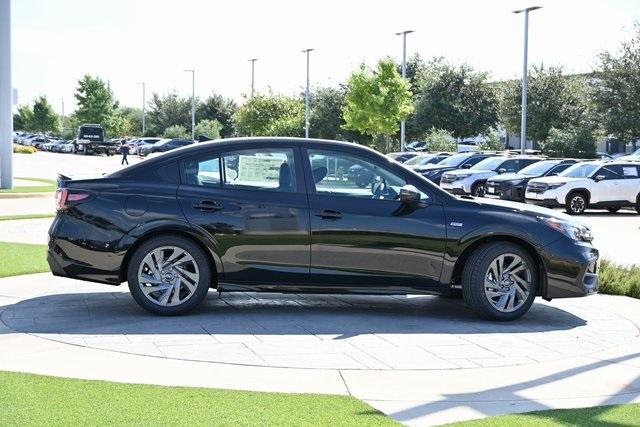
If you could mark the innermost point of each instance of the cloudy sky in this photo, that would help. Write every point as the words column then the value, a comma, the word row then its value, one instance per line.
column 129, row 41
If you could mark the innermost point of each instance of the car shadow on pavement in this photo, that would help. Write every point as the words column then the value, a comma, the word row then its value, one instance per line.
column 103, row 313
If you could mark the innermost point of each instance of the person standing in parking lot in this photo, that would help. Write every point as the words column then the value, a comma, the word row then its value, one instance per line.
column 124, row 149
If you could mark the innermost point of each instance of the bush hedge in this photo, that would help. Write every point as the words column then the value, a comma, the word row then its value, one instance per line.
column 619, row 280
column 23, row 149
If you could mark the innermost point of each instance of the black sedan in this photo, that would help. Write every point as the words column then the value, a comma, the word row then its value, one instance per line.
column 512, row 186
column 253, row 214
column 164, row 146
column 434, row 172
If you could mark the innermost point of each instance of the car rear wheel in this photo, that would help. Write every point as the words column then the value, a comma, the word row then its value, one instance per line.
column 499, row 281
column 576, row 203
column 169, row 275
column 638, row 204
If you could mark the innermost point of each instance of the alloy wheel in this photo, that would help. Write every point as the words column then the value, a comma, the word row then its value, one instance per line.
column 577, row 204
column 168, row 276
column 507, row 283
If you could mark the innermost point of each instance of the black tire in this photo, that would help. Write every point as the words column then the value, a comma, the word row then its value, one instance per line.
column 638, row 204
column 613, row 209
column 199, row 257
column 473, row 278
column 576, row 203
column 477, row 189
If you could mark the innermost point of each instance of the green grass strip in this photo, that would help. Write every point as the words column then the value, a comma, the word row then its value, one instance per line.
column 35, row 400
column 25, row 216
column 50, row 186
column 22, row 258
column 613, row 415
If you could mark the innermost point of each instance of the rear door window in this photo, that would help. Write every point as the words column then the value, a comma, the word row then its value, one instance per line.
column 262, row 168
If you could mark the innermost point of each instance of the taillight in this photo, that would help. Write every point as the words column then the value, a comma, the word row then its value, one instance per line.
column 63, row 197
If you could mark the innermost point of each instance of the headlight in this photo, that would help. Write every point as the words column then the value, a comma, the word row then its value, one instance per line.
column 462, row 176
column 573, row 231
column 555, row 185
column 515, row 182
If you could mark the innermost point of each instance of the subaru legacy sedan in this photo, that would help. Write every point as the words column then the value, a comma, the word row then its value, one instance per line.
column 284, row 215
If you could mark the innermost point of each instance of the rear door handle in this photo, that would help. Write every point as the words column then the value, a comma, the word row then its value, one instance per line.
column 329, row 214
column 208, row 205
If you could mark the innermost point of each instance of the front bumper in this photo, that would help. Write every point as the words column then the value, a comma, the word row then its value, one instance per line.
column 505, row 192
column 459, row 187
column 571, row 269
column 545, row 203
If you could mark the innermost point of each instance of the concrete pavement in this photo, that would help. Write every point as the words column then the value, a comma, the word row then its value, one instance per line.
column 422, row 360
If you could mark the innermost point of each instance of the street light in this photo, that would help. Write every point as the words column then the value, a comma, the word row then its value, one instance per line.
column 144, row 104
column 306, row 97
column 525, row 77
column 6, row 91
column 253, row 63
column 404, row 75
column 193, row 103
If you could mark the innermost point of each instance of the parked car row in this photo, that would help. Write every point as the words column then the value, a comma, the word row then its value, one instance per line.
column 573, row 184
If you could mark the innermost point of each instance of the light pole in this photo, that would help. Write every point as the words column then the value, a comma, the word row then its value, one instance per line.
column 253, row 73
column 404, row 75
column 144, row 105
column 193, row 103
column 525, row 77
column 62, row 122
column 306, row 97
column 6, row 91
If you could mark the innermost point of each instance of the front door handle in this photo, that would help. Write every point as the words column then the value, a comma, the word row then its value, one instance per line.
column 208, row 205
column 329, row 214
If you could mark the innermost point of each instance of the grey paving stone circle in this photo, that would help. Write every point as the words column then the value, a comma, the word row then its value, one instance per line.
column 319, row 331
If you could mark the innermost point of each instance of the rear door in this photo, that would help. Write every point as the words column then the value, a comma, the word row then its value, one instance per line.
column 253, row 206
column 631, row 183
column 362, row 236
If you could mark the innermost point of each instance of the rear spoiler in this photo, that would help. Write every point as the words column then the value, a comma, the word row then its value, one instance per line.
column 64, row 179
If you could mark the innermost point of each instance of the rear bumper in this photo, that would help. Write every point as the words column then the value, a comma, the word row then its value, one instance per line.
column 571, row 269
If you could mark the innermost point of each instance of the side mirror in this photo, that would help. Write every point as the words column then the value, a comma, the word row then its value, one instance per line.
column 466, row 166
column 501, row 170
column 598, row 178
column 409, row 194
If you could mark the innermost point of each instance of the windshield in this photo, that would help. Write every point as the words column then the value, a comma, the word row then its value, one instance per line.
column 538, row 168
column 580, row 170
column 419, row 160
column 489, row 164
column 454, row 160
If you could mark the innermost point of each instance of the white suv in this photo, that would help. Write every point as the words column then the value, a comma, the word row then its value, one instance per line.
column 472, row 180
column 599, row 184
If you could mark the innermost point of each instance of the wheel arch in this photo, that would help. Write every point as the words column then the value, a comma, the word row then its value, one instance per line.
column 212, row 256
column 456, row 274
column 578, row 190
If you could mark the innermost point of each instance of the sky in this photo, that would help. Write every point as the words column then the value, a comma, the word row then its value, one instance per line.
column 126, row 42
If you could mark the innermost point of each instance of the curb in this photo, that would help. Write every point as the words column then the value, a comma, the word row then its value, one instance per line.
column 47, row 195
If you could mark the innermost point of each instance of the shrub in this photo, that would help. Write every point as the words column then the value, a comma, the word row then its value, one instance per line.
column 441, row 140
column 175, row 131
column 209, row 128
column 492, row 142
column 619, row 280
column 574, row 142
column 23, row 149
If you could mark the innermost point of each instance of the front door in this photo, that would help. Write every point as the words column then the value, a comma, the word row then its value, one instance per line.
column 253, row 206
column 361, row 234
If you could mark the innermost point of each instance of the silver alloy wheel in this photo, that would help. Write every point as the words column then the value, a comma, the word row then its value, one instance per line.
column 168, row 276
column 507, row 283
column 577, row 203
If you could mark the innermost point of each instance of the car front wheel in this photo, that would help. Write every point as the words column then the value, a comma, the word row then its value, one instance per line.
column 499, row 281
column 477, row 190
column 576, row 203
column 169, row 275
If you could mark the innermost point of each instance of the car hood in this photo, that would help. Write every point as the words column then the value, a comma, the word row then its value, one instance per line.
column 555, row 179
column 525, row 209
column 509, row 177
column 471, row 172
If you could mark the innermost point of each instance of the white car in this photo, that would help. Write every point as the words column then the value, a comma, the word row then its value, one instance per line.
column 472, row 180
column 598, row 184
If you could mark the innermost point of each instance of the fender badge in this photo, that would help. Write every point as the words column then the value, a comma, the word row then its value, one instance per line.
column 456, row 224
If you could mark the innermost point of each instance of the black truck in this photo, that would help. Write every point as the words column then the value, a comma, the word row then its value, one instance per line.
column 91, row 140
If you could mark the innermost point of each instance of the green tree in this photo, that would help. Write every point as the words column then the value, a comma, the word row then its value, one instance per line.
column 208, row 128
column 577, row 142
column 554, row 101
column 441, row 140
column 132, row 121
column 457, row 99
column 416, row 72
column 97, row 104
column 617, row 89
column 166, row 111
column 270, row 115
column 44, row 118
column 176, row 131
column 377, row 100
column 492, row 142
column 22, row 119
column 217, row 107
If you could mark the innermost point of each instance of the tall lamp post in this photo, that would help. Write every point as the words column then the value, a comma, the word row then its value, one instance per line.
column 525, row 77
column 144, row 106
column 253, row 73
column 193, row 103
column 62, row 121
column 6, row 92
column 404, row 75
column 306, row 97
